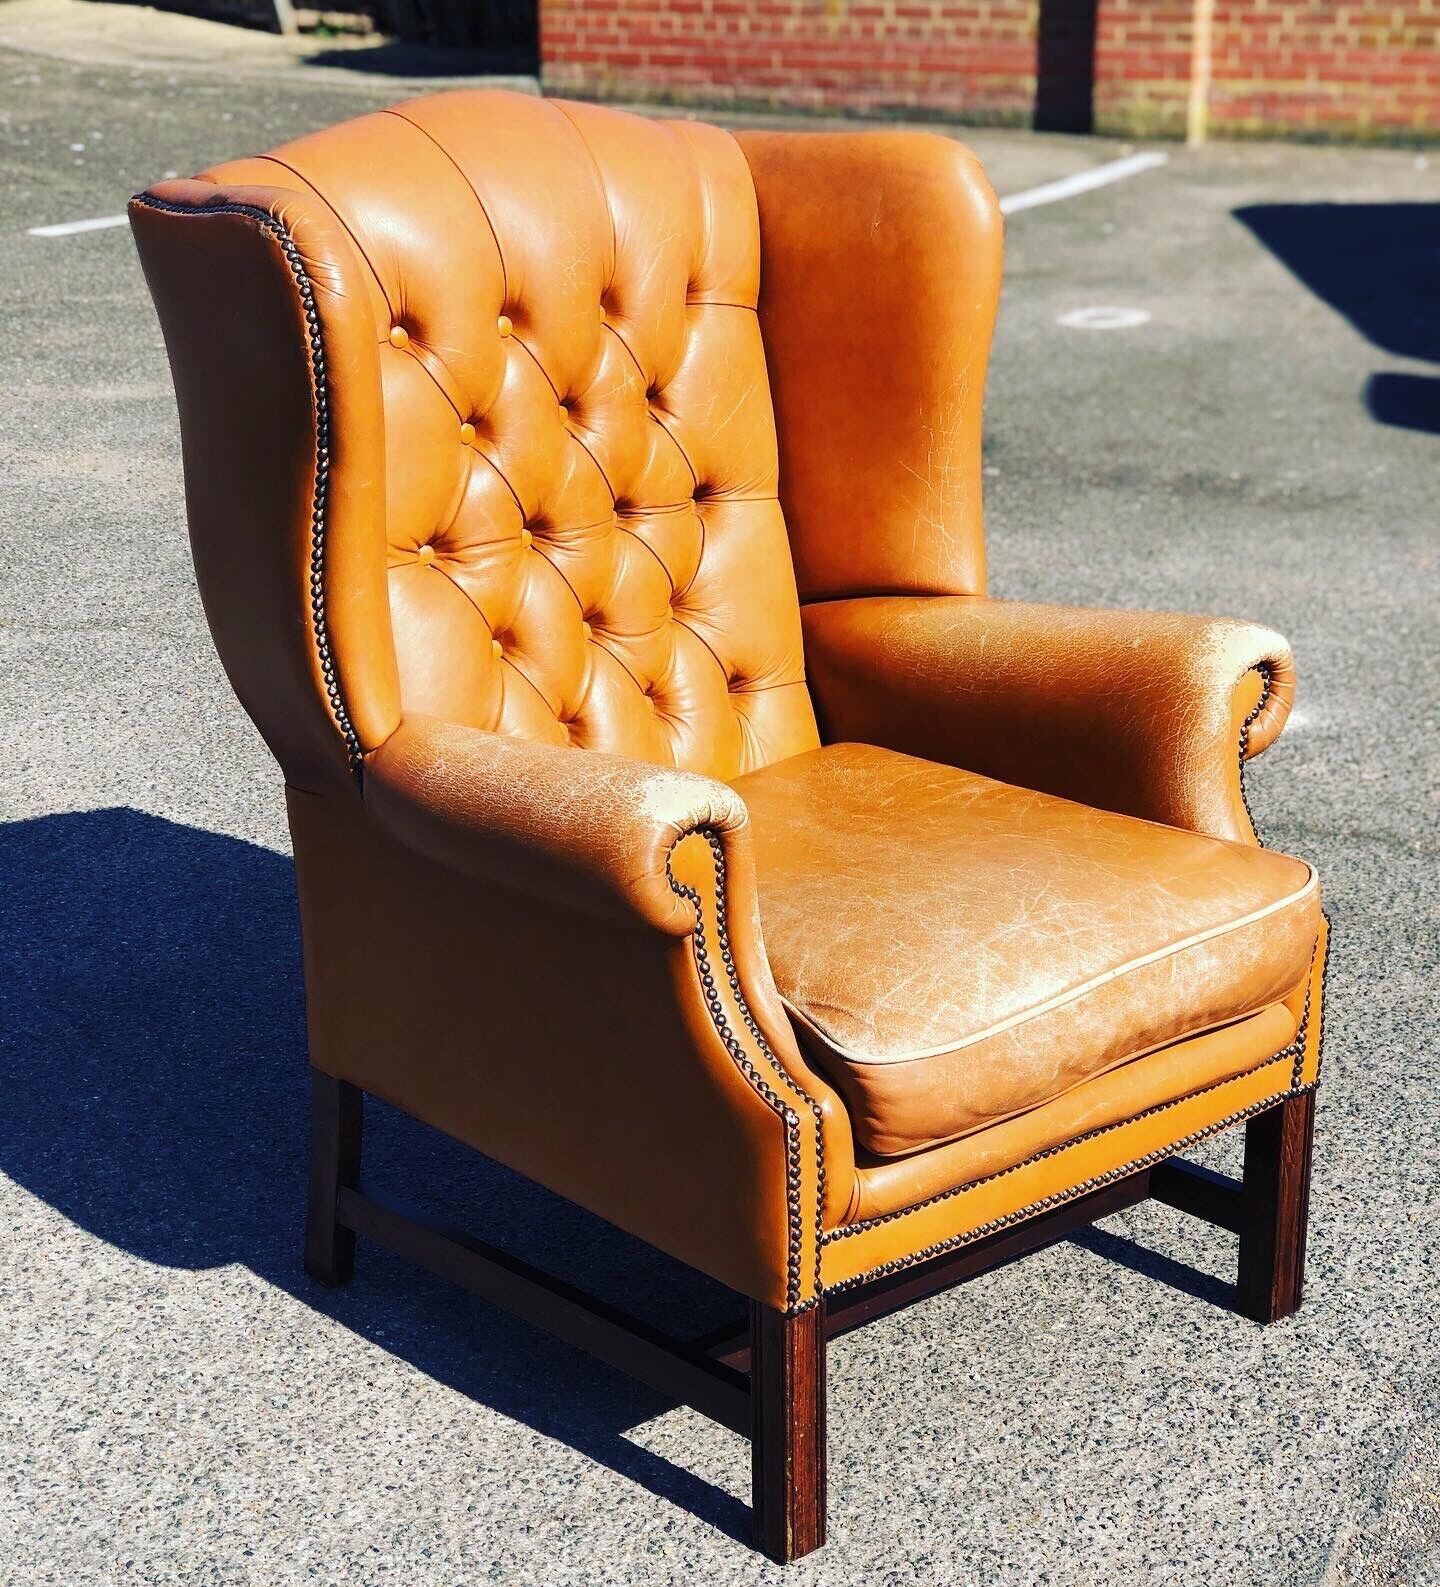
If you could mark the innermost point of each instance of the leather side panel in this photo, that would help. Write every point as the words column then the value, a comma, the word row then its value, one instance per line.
column 880, row 274
column 588, row 1060
column 275, row 374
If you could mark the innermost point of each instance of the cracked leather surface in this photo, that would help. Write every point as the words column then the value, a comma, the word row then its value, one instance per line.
column 955, row 950
column 586, row 831
column 1139, row 712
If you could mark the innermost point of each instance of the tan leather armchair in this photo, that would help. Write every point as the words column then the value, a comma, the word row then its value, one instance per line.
column 588, row 512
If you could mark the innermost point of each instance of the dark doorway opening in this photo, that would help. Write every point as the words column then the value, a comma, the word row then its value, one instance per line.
column 507, row 32
column 1065, row 66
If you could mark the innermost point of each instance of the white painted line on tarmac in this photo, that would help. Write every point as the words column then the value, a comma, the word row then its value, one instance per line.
column 68, row 228
column 1083, row 181
column 1047, row 193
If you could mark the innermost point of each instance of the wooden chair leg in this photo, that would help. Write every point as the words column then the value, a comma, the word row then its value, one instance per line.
column 787, row 1419
column 1276, row 1209
column 336, row 1112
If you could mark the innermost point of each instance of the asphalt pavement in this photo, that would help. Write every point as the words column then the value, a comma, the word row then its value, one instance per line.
column 178, row 1404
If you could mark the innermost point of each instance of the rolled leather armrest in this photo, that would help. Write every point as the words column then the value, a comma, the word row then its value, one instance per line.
column 586, row 831
column 674, row 1089
column 1147, row 713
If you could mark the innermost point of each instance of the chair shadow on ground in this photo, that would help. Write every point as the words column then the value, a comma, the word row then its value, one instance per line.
column 1379, row 266
column 152, row 1065
column 152, row 1062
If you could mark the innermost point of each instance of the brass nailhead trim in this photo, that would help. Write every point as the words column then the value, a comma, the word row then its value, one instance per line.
column 1295, row 1048
column 318, row 522
column 899, row 1264
column 1305, row 1017
column 758, row 1082
column 1267, row 673
column 850, row 1229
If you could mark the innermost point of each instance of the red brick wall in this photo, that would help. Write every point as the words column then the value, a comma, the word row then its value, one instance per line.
column 1310, row 67
column 1367, row 70
column 1142, row 66
column 973, row 59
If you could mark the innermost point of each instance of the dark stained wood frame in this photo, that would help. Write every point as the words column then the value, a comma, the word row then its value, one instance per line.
column 764, row 1376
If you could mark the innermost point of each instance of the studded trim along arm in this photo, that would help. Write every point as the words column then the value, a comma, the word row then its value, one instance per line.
column 1148, row 713
column 665, row 854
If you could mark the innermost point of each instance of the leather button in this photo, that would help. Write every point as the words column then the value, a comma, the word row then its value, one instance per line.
column 399, row 336
column 526, row 539
column 504, row 325
column 425, row 555
column 467, row 433
column 496, row 649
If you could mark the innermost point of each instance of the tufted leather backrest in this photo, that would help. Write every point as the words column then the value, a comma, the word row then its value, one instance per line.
column 583, row 538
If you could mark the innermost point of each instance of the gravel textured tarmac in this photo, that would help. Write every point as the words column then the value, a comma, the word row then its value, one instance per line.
column 178, row 1404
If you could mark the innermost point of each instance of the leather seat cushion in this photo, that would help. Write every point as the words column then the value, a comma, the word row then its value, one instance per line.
column 1149, row 1086
column 954, row 951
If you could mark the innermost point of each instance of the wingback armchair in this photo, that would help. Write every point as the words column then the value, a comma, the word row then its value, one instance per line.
column 587, row 510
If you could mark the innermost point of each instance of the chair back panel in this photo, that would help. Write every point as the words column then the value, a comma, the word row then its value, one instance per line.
column 584, row 538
